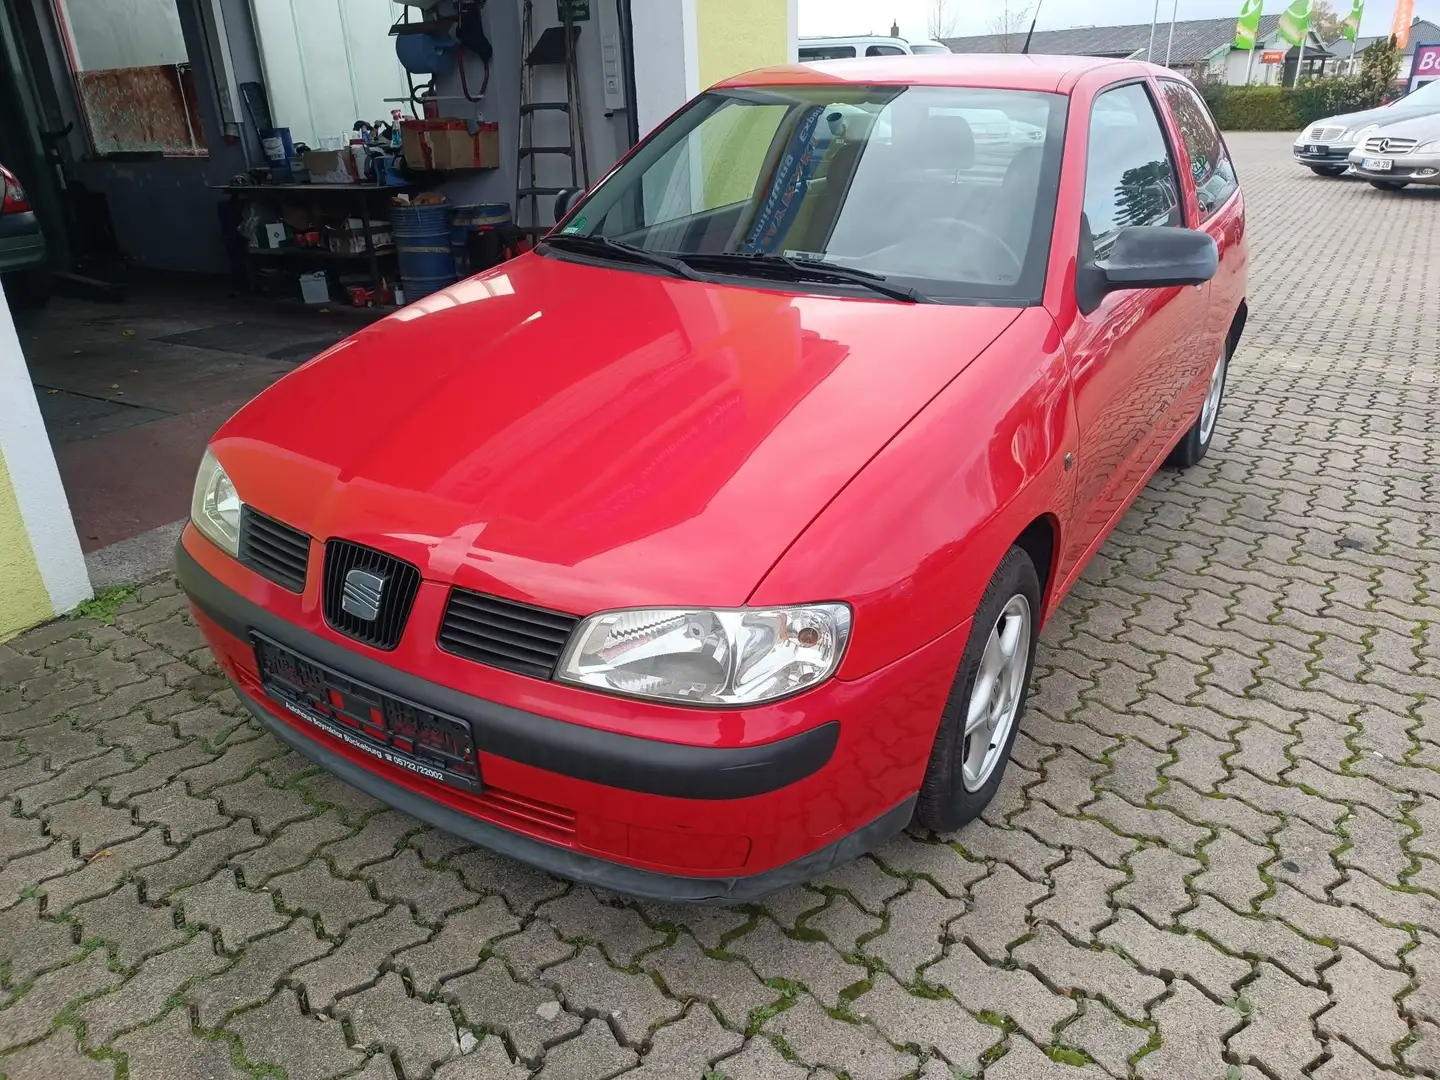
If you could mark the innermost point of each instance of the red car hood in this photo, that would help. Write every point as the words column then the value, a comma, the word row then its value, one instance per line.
column 583, row 438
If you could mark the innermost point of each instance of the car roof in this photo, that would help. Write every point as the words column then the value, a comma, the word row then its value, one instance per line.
column 821, row 40
column 1009, row 71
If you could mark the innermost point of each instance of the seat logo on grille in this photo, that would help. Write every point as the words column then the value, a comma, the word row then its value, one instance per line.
column 362, row 594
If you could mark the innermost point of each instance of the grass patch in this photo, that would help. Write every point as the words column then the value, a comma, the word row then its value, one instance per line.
column 104, row 605
column 1067, row 1056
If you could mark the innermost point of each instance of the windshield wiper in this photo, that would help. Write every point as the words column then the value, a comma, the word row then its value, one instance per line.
column 809, row 270
column 603, row 245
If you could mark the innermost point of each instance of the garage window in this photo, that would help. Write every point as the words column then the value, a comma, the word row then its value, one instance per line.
column 133, row 77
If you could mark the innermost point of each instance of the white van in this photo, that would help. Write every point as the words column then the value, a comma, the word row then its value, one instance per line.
column 847, row 48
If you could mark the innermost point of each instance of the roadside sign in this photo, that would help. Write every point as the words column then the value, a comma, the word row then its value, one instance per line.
column 1425, row 67
column 1272, row 56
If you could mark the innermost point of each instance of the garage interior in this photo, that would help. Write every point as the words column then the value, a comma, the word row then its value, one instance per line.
column 126, row 127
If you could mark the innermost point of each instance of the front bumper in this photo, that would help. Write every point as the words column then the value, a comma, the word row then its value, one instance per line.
column 652, row 818
column 22, row 244
column 1407, row 168
column 1323, row 155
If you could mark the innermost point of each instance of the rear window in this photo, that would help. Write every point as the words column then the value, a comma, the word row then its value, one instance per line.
column 827, row 52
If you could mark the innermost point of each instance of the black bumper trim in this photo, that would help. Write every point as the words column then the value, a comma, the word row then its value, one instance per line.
column 588, row 869
column 628, row 762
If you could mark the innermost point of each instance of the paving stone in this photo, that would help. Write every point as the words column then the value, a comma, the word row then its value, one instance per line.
column 1344, row 1064
column 687, row 1047
column 20, row 874
column 488, row 1061
column 457, row 947
column 1279, row 1035
column 146, row 993
column 310, row 1048
column 130, row 929
column 942, row 864
column 98, row 876
column 1424, row 1054
column 30, row 944
column 867, row 884
column 520, row 886
column 928, row 1024
column 1264, row 939
column 268, row 806
column 819, row 1039
column 529, row 1017
column 1392, row 905
column 55, row 1057
column 1024, row 1062
column 169, row 1050
column 379, row 838
column 1101, row 973
column 1305, row 861
column 788, row 905
column 533, row 949
column 1232, row 870
column 19, row 775
column 356, row 961
column 32, row 1015
column 690, row 974
column 708, row 925
column 237, row 760
column 350, row 802
column 337, row 902
column 632, row 1004
column 761, row 1061
column 1168, row 954
column 1364, row 1011
column 1346, row 924
column 90, row 824
column 1283, row 799
column 60, row 744
column 155, row 772
column 1424, row 962
column 1016, row 994
column 844, row 924
column 915, row 933
column 1079, row 902
column 591, row 1055
column 199, row 858
column 290, row 849
column 74, row 781
column 420, row 1035
column 1108, row 847
column 813, row 964
column 236, row 914
column 619, row 930
column 1161, row 825
column 1192, row 1028
column 264, row 963
column 1016, row 847
column 182, row 816
column 1108, row 1039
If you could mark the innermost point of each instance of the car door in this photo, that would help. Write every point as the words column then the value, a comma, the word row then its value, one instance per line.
column 1221, row 214
column 1132, row 356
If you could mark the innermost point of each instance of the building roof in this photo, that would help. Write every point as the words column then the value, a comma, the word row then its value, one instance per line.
column 1422, row 32
column 1195, row 40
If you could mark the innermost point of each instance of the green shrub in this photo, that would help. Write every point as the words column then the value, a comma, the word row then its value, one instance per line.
column 1256, row 108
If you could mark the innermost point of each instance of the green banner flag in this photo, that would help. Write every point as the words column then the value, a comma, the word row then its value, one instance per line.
column 1247, row 27
column 1295, row 22
column 1350, row 28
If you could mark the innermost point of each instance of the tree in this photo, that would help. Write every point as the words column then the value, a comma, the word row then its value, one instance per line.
column 1324, row 21
column 1012, row 24
column 940, row 20
column 1379, row 67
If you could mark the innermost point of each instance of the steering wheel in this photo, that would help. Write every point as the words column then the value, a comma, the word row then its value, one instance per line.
column 986, row 235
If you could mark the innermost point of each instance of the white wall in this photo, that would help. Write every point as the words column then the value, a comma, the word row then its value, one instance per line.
column 328, row 63
column 665, row 76
column 123, row 33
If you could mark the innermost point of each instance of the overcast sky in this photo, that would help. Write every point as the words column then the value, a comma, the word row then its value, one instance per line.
column 836, row 17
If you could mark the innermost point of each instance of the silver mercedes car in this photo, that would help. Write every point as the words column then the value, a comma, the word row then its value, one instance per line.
column 1325, row 146
column 1400, row 154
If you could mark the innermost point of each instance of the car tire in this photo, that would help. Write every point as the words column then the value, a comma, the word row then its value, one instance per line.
column 1328, row 170
column 1388, row 185
column 953, row 792
column 29, row 288
column 1196, row 441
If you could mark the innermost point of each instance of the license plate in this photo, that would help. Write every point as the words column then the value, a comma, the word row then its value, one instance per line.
column 399, row 732
column 1312, row 148
column 1377, row 164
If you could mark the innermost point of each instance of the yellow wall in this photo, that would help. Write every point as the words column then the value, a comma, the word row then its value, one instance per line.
column 24, row 600
column 737, row 35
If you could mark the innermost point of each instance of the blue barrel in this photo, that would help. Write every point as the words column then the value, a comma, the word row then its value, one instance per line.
column 422, row 240
column 467, row 219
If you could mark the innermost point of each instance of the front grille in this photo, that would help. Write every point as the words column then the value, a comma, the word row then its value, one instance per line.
column 273, row 549
column 1324, row 134
column 399, row 583
column 504, row 634
column 1382, row 145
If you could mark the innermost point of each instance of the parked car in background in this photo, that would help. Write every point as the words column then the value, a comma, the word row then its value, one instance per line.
column 848, row 48
column 1396, row 155
column 1326, row 145
column 23, row 270
column 748, row 573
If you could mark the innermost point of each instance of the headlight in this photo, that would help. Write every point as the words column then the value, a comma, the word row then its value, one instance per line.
column 1431, row 147
column 215, row 507
column 1361, row 134
column 705, row 657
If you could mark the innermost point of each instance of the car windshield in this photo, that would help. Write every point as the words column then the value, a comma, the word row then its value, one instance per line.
column 947, row 191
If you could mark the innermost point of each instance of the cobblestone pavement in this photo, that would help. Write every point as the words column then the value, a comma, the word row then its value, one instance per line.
column 1216, row 854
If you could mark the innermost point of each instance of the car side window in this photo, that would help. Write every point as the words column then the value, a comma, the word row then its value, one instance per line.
column 884, row 50
column 1209, row 163
column 1130, row 177
column 827, row 52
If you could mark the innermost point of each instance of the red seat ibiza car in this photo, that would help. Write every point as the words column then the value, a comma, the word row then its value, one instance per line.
column 706, row 546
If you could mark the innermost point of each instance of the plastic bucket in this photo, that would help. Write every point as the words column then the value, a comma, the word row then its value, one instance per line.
column 422, row 241
column 470, row 218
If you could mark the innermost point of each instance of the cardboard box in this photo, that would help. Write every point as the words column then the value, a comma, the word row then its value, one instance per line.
column 449, row 144
column 331, row 167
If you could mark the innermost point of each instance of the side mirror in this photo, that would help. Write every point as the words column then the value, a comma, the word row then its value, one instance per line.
column 564, row 199
column 1147, row 257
